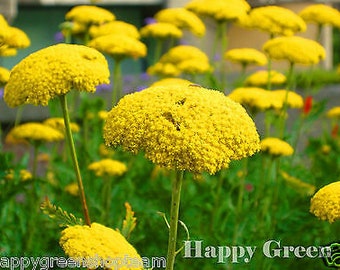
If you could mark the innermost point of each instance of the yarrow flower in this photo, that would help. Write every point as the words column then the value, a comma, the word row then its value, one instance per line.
column 114, row 27
column 98, row 245
column 260, row 78
column 183, row 19
column 295, row 49
column 58, row 123
column 171, row 81
column 246, row 56
column 275, row 20
column 219, row 10
column 182, row 127
column 161, row 30
column 181, row 59
column 55, row 71
column 108, row 167
column 119, row 46
column 321, row 14
column 276, row 147
column 85, row 14
column 72, row 189
column 4, row 76
column 325, row 204
column 36, row 132
column 333, row 112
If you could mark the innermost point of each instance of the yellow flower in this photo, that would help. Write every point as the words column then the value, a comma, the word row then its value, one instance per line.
column 292, row 99
column 253, row 97
column 325, row 204
column 54, row 71
column 87, row 15
column 321, row 14
column 298, row 185
column 58, row 123
column 295, row 49
column 7, row 52
column 16, row 38
column 161, row 30
column 275, row 20
column 119, row 46
column 246, row 56
column 183, row 19
column 219, row 10
column 170, row 81
column 36, row 132
column 114, row 27
column 99, row 244
column 72, row 189
column 334, row 112
column 3, row 29
column 4, row 75
column 108, row 167
column 260, row 78
column 276, row 147
column 105, row 151
column 25, row 175
column 182, row 127
column 181, row 59
column 103, row 114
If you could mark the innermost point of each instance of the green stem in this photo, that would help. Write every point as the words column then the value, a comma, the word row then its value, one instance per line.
column 158, row 50
column 175, row 202
column 74, row 158
column 117, row 91
column 18, row 115
column 107, row 187
column 35, row 159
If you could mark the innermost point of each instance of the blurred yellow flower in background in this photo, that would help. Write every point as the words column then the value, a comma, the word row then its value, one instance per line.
column 171, row 81
column 54, row 71
column 275, row 20
column 333, row 112
column 58, row 123
column 108, row 167
column 161, row 30
column 298, row 185
column 325, row 204
column 183, row 19
column 260, row 78
column 246, row 56
column 276, row 147
column 86, row 14
column 72, row 189
column 321, row 14
column 295, row 49
column 4, row 76
column 183, row 128
column 119, row 46
column 114, row 27
column 292, row 99
column 36, row 132
column 99, row 244
column 219, row 10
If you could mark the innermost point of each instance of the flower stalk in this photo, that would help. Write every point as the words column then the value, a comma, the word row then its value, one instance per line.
column 174, row 212
column 70, row 140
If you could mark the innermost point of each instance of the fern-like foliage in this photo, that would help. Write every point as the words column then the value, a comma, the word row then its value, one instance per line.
column 63, row 218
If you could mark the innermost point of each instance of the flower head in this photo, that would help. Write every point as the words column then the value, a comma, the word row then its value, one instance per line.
column 114, row 27
column 300, row 186
column 292, row 99
column 58, row 123
column 325, row 204
column 333, row 112
column 246, row 56
column 182, row 59
column 72, row 189
column 16, row 38
column 100, row 244
column 54, row 71
column 3, row 28
column 161, row 30
column 295, row 49
column 219, row 10
column 261, row 78
column 182, row 127
column 275, row 20
column 321, row 14
column 119, row 46
column 108, row 167
column 4, row 75
column 85, row 14
column 36, row 132
column 183, row 19
column 276, row 147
